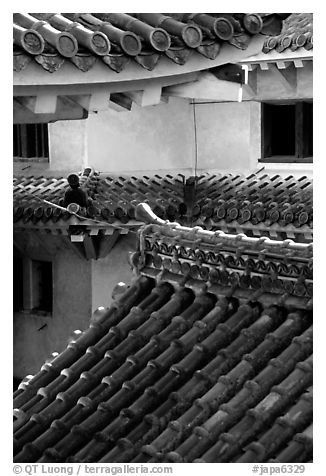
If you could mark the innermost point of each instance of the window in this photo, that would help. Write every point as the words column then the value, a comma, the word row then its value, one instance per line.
column 287, row 132
column 31, row 141
column 32, row 285
column 18, row 284
column 42, row 285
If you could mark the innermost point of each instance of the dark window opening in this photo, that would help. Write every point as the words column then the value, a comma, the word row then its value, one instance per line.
column 287, row 132
column 18, row 284
column 42, row 277
column 32, row 285
column 31, row 141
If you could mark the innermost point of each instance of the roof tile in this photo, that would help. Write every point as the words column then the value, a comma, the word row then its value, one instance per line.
column 284, row 428
column 297, row 31
column 268, row 205
column 180, row 369
column 52, row 39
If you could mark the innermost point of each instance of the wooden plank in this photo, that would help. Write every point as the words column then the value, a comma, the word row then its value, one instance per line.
column 45, row 140
column 303, row 130
column 107, row 242
column 266, row 139
column 299, row 130
column 24, row 139
column 307, row 129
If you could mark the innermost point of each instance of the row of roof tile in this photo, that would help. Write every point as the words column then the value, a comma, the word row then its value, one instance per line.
column 116, row 38
column 172, row 374
column 229, row 202
column 217, row 259
column 297, row 32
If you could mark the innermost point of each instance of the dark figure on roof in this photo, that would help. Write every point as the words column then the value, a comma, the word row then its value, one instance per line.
column 75, row 194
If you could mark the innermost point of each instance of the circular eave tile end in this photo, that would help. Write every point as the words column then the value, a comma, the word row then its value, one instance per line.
column 100, row 44
column 253, row 23
column 223, row 29
column 131, row 44
column 192, row 36
column 67, row 45
column 160, row 39
column 33, row 42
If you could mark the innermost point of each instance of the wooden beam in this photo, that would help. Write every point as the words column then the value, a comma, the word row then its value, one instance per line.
column 99, row 101
column 120, row 102
column 150, row 96
column 264, row 66
column 82, row 100
column 282, row 64
column 28, row 102
column 39, row 104
column 298, row 63
column 251, row 85
column 107, row 242
column 89, row 247
column 66, row 109
column 207, row 87
column 252, row 66
column 166, row 70
column 286, row 77
column 77, row 238
column 75, row 247
column 107, row 88
column 45, row 104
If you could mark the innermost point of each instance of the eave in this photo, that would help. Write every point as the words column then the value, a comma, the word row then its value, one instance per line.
column 100, row 89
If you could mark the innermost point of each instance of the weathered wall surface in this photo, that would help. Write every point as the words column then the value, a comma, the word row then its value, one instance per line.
column 115, row 268
column 161, row 139
column 79, row 288
column 144, row 139
column 68, row 145
column 72, row 290
column 228, row 136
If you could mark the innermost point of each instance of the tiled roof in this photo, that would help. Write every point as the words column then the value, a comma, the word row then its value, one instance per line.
column 297, row 32
column 117, row 38
column 259, row 204
column 182, row 367
column 113, row 198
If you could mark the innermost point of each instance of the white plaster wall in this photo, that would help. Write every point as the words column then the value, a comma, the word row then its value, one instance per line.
column 143, row 139
column 109, row 271
column 228, row 136
column 68, row 145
